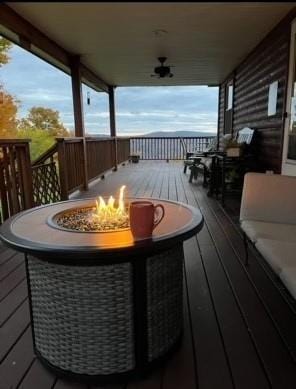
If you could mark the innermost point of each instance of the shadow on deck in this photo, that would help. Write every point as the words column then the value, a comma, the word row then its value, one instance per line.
column 239, row 322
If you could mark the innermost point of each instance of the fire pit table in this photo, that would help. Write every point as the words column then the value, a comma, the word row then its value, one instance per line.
column 103, row 305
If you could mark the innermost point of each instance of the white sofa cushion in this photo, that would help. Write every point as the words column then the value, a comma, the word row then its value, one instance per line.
column 278, row 254
column 288, row 276
column 276, row 231
column 269, row 198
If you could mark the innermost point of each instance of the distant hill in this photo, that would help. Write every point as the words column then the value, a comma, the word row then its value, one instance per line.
column 181, row 134
column 164, row 134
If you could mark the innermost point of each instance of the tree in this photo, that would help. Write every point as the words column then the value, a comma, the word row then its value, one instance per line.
column 44, row 119
column 41, row 125
column 40, row 140
column 8, row 115
column 8, row 104
column 5, row 45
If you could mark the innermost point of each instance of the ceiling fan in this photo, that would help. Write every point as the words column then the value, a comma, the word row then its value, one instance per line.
column 162, row 71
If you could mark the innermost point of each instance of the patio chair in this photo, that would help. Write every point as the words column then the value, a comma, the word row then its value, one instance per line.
column 195, row 154
column 227, row 170
column 202, row 162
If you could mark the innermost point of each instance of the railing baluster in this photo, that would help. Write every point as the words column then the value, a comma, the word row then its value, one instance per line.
column 166, row 148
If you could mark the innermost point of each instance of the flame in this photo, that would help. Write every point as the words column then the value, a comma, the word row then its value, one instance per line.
column 120, row 201
column 108, row 213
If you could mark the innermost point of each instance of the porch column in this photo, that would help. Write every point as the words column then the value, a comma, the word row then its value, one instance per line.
column 113, row 123
column 78, row 109
column 77, row 95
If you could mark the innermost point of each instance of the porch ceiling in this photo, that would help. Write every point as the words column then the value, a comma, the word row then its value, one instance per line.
column 204, row 41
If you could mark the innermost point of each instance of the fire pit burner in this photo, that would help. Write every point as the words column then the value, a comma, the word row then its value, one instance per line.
column 86, row 220
column 104, row 216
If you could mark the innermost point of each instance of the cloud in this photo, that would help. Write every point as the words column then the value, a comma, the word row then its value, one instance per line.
column 42, row 94
column 138, row 109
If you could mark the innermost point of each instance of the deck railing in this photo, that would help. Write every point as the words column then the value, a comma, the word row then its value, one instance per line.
column 84, row 159
column 72, row 162
column 72, row 165
column 123, row 149
column 168, row 148
column 46, row 182
column 15, row 177
column 65, row 167
column 100, row 156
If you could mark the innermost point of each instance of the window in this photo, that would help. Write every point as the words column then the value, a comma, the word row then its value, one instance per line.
column 229, row 97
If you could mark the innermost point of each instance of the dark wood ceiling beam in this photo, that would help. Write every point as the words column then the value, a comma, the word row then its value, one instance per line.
column 93, row 79
column 30, row 35
column 25, row 30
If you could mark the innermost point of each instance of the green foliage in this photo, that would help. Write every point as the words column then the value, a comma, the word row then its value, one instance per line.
column 44, row 119
column 42, row 125
column 5, row 45
column 41, row 140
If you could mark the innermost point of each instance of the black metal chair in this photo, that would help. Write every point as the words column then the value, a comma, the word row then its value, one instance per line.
column 193, row 157
column 227, row 172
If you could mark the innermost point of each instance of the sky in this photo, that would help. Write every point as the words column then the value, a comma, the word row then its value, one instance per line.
column 139, row 110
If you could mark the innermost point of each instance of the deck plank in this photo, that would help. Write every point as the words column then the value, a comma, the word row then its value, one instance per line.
column 10, row 265
column 246, row 371
column 206, row 334
column 18, row 362
column 275, row 358
column 13, row 328
column 37, row 377
column 11, row 281
column 180, row 369
column 5, row 255
column 13, row 301
column 239, row 323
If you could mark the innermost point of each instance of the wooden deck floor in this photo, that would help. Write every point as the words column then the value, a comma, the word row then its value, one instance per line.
column 240, row 323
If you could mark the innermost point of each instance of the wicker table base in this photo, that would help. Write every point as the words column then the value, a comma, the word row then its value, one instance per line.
column 104, row 306
column 104, row 322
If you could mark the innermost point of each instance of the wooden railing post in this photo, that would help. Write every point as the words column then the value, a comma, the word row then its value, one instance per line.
column 123, row 149
column 84, row 163
column 113, row 125
column 78, row 110
column 63, row 174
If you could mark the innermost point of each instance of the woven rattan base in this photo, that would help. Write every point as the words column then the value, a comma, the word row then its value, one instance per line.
column 106, row 321
column 115, row 378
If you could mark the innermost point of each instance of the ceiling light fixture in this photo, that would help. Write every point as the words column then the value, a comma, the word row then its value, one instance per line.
column 160, row 33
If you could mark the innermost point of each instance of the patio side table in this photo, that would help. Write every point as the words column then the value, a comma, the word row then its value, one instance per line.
column 103, row 306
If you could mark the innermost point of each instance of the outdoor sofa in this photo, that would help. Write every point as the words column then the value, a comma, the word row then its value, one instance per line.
column 268, row 220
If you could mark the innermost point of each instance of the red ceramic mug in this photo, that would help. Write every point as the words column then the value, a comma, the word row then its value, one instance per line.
column 144, row 218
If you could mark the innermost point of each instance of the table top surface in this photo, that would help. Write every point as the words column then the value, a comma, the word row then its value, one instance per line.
column 30, row 231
